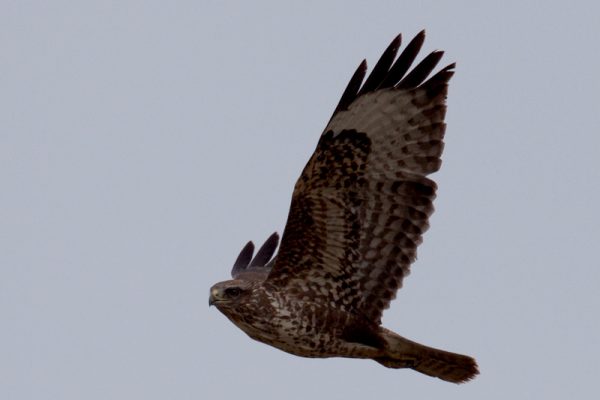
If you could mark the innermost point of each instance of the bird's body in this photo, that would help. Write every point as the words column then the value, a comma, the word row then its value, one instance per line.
column 358, row 213
column 290, row 323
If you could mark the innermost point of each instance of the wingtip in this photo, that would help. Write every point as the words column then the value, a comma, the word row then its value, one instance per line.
column 418, row 41
column 243, row 259
column 363, row 65
column 266, row 251
column 274, row 237
column 397, row 41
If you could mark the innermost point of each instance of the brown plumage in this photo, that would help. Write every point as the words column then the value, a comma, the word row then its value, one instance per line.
column 358, row 213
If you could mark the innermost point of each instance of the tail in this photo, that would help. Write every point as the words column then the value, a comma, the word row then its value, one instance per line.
column 404, row 353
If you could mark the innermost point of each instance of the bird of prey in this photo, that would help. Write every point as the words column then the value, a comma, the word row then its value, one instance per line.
column 358, row 213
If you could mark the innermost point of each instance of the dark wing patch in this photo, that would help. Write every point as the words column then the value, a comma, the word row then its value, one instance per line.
column 363, row 201
column 248, row 268
column 321, row 238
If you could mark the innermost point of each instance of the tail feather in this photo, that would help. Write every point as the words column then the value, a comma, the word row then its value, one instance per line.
column 404, row 353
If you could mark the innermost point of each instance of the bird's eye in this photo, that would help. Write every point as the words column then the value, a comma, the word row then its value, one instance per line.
column 233, row 292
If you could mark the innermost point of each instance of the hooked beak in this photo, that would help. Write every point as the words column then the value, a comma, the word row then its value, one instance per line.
column 214, row 297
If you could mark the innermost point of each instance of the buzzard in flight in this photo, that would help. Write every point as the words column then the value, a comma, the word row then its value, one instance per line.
column 358, row 213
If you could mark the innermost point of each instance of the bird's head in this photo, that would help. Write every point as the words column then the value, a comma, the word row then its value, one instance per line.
column 229, row 294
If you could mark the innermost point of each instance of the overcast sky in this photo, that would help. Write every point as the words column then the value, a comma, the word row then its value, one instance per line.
column 142, row 143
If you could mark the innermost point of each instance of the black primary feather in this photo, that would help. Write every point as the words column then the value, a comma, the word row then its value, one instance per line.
column 351, row 90
column 404, row 61
column 382, row 68
column 388, row 73
column 257, row 268
column 265, row 252
column 242, row 261
column 421, row 71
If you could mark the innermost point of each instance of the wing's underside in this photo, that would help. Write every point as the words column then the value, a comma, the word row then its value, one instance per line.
column 363, row 201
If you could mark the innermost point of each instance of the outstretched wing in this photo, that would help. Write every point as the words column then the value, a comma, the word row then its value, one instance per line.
column 258, row 267
column 363, row 201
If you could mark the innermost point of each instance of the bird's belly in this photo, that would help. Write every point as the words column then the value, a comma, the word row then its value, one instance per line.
column 303, row 339
column 300, row 343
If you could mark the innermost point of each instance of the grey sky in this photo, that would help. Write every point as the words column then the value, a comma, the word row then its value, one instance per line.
column 143, row 143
